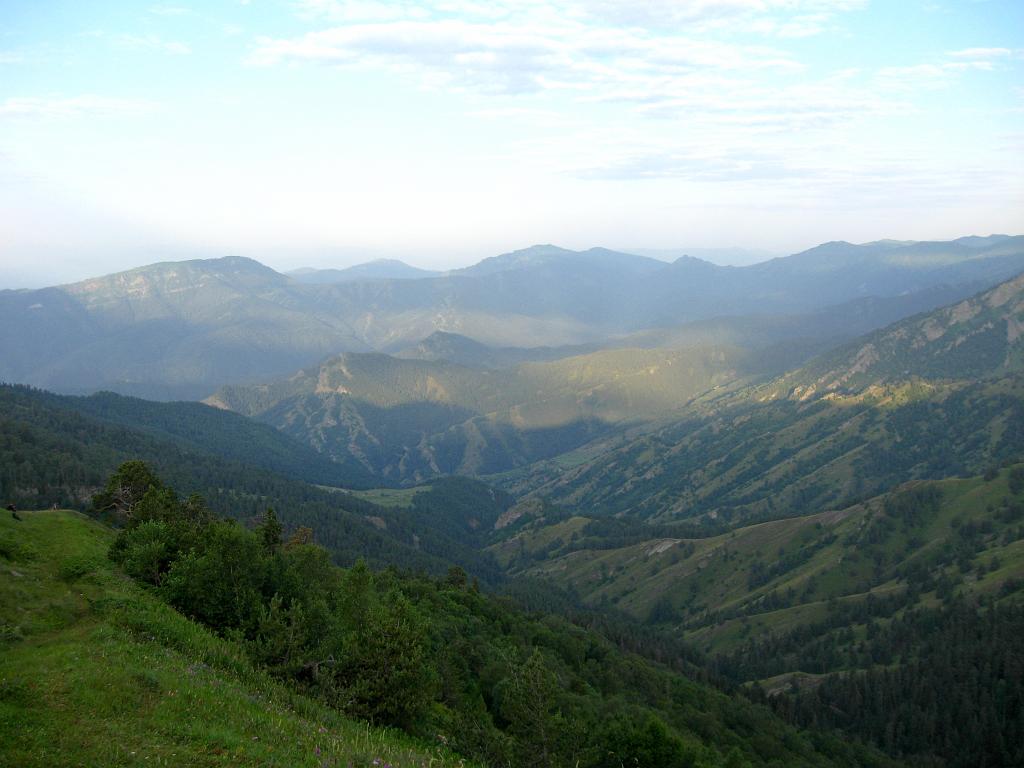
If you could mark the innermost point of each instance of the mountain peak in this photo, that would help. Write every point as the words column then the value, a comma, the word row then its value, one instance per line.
column 547, row 255
column 377, row 269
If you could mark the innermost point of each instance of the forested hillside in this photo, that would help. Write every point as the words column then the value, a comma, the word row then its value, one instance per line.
column 97, row 670
column 52, row 454
column 847, row 619
column 410, row 420
column 434, row 657
column 929, row 397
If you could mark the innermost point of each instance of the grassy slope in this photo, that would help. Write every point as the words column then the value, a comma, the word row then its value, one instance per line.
column 935, row 395
column 390, row 497
column 828, row 557
column 746, row 459
column 94, row 671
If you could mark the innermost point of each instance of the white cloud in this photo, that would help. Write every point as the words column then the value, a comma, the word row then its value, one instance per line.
column 74, row 106
column 981, row 53
column 941, row 74
column 786, row 18
column 153, row 43
column 764, row 16
column 504, row 57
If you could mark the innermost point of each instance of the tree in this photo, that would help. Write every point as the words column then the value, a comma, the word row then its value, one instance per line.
column 220, row 582
column 270, row 531
column 384, row 675
column 125, row 489
column 529, row 703
column 457, row 578
column 630, row 743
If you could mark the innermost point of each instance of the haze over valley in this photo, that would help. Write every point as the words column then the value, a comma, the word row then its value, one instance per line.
column 518, row 384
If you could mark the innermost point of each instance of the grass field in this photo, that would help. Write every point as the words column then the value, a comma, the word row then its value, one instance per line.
column 391, row 497
column 96, row 672
column 842, row 554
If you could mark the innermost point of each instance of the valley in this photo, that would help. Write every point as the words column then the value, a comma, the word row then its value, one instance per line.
column 512, row 385
column 775, row 507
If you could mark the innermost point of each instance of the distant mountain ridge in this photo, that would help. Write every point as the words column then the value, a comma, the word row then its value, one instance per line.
column 184, row 329
column 378, row 269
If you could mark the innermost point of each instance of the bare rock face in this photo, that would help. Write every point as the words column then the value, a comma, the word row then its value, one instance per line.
column 529, row 508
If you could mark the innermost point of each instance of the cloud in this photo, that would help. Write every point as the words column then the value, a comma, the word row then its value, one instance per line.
column 940, row 74
column 511, row 58
column 152, row 43
column 787, row 18
column 981, row 53
column 169, row 10
column 764, row 16
column 65, row 107
column 694, row 166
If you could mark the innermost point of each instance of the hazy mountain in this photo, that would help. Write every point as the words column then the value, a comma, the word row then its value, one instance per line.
column 378, row 269
column 551, row 257
column 171, row 330
column 979, row 337
column 931, row 396
column 723, row 257
column 408, row 420
column 183, row 329
column 462, row 350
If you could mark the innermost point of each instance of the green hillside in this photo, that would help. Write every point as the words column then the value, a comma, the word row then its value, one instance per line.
column 462, row 350
column 51, row 453
column 98, row 668
column 782, row 573
column 95, row 670
column 937, row 395
column 410, row 420
column 850, row 619
column 979, row 337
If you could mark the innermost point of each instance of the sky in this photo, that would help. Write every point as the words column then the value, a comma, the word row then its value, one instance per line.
column 326, row 132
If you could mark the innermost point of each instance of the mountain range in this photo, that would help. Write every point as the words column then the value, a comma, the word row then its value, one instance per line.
column 808, row 492
column 934, row 395
column 184, row 329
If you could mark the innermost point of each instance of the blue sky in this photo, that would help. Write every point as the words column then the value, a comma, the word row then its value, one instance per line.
column 328, row 132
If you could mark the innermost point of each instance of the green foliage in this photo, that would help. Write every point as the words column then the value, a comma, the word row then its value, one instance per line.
column 106, row 674
column 50, row 453
column 756, row 456
column 146, row 551
column 202, row 428
column 221, row 581
column 384, row 675
column 528, row 700
column 434, row 657
column 631, row 744
column 944, row 684
column 130, row 486
column 270, row 531
column 1016, row 480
